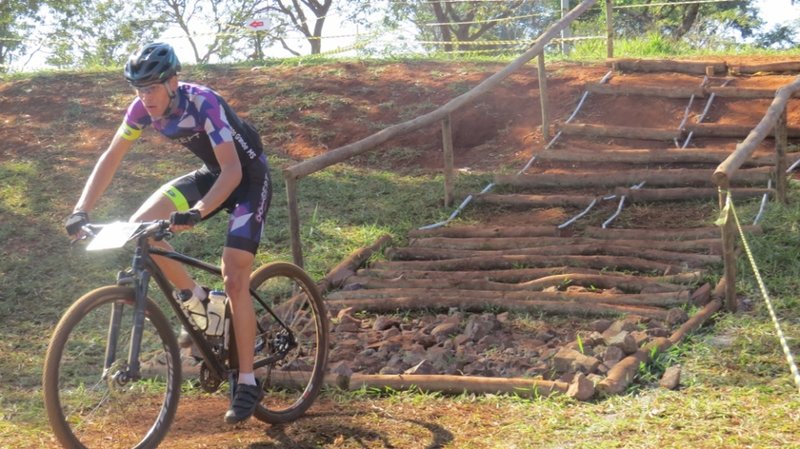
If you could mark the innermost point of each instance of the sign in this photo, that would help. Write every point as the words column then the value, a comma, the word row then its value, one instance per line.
column 258, row 24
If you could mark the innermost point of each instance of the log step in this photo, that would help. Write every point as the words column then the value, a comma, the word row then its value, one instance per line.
column 626, row 283
column 644, row 195
column 708, row 246
column 665, row 156
column 689, row 259
column 626, row 132
column 667, row 177
column 684, row 92
column 668, row 65
column 614, row 263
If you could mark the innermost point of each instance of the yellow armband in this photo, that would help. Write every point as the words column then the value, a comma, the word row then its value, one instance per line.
column 128, row 132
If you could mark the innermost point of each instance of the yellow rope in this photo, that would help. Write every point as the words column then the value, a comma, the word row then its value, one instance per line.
column 784, row 345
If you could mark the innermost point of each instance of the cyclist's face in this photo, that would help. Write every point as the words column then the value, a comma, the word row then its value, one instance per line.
column 155, row 98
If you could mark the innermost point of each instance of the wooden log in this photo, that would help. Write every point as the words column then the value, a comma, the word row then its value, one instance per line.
column 708, row 246
column 666, row 177
column 350, row 264
column 510, row 275
column 505, row 262
column 733, row 131
column 744, row 93
column 625, row 283
column 521, row 200
column 485, row 231
column 450, row 384
column 668, row 65
column 427, row 297
column 649, row 91
column 664, row 156
column 625, row 132
column 517, row 275
column 390, row 305
column 775, row 67
column 705, row 232
column 687, row 193
column 609, row 249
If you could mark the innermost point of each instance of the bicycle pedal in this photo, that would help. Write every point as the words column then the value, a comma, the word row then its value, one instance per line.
column 124, row 278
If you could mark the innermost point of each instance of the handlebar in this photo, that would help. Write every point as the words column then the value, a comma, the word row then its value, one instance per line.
column 157, row 229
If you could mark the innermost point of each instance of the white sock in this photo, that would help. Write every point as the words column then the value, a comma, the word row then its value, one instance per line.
column 247, row 378
column 199, row 292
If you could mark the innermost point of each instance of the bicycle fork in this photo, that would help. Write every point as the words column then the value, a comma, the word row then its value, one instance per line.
column 132, row 369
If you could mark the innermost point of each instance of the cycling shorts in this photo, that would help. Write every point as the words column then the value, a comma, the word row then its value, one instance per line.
column 247, row 205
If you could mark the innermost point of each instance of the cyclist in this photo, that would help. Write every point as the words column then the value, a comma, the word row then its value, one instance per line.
column 234, row 176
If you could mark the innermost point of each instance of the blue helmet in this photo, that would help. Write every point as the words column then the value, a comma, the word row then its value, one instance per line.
column 153, row 63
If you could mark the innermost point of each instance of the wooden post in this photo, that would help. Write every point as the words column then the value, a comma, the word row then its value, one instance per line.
column 781, row 142
column 729, row 253
column 449, row 173
column 566, row 32
column 543, row 98
column 294, row 220
column 609, row 29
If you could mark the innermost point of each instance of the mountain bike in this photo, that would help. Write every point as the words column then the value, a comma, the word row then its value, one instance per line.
column 112, row 373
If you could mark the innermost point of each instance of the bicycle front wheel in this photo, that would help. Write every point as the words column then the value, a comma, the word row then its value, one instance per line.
column 296, row 337
column 91, row 403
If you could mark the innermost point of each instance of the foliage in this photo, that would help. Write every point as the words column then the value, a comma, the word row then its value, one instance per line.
column 100, row 33
column 14, row 26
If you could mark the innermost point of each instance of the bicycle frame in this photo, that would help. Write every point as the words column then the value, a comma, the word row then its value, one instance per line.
column 144, row 268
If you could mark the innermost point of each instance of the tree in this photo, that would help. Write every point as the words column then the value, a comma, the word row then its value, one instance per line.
column 308, row 17
column 221, row 21
column 14, row 27
column 454, row 23
column 99, row 32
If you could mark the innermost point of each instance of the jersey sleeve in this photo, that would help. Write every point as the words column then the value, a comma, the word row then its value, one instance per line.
column 136, row 118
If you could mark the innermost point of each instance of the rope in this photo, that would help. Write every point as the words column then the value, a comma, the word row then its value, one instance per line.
column 784, row 345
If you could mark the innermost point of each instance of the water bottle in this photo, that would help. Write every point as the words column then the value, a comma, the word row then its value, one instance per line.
column 194, row 308
column 216, row 313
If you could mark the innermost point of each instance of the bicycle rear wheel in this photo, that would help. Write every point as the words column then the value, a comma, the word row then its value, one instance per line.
column 91, row 407
column 293, row 382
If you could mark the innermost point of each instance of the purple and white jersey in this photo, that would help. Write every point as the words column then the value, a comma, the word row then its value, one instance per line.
column 200, row 120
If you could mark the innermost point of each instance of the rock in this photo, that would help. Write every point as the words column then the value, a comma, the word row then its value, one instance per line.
column 623, row 340
column 600, row 325
column 391, row 332
column 347, row 311
column 383, row 323
column 503, row 317
column 425, row 340
column 479, row 326
column 445, row 330
column 612, row 355
column 671, row 378
column 423, row 367
column 347, row 326
column 343, row 372
column 581, row 388
column 545, row 335
column 617, row 327
column 676, row 316
column 570, row 360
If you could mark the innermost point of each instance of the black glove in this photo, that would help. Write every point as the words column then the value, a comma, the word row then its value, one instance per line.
column 191, row 217
column 75, row 222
